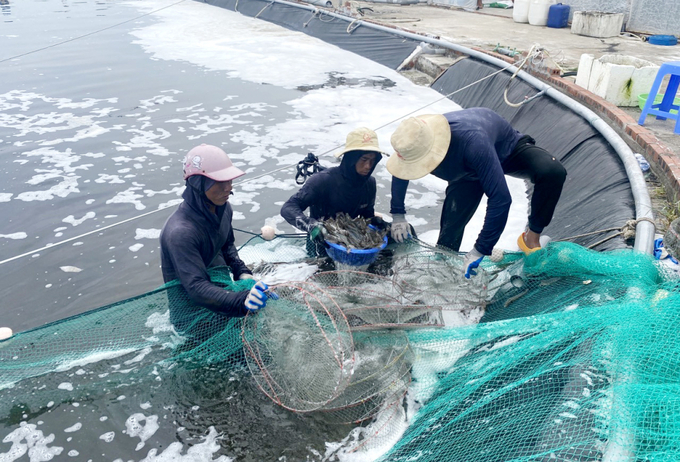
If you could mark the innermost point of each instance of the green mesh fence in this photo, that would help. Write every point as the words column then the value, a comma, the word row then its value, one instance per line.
column 567, row 354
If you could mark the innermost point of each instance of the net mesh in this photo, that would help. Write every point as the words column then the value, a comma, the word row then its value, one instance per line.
column 567, row 354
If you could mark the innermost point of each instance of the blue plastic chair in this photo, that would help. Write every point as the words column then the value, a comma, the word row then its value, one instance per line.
column 662, row 110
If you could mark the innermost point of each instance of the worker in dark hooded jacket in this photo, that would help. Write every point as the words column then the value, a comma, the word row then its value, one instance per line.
column 473, row 149
column 199, row 235
column 349, row 188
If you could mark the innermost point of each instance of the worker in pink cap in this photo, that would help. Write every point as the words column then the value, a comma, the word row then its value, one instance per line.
column 199, row 235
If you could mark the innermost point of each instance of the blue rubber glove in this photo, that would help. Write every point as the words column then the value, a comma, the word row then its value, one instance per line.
column 471, row 262
column 400, row 228
column 257, row 298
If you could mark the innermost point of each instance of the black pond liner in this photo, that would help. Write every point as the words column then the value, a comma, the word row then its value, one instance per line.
column 597, row 194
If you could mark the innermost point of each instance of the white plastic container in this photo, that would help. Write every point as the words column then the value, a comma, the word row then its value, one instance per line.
column 520, row 11
column 538, row 12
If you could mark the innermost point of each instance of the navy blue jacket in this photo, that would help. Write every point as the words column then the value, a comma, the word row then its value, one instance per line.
column 194, row 239
column 337, row 189
column 481, row 141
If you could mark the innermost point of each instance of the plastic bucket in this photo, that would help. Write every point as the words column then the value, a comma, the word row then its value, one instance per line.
column 642, row 99
column 520, row 11
column 353, row 257
column 558, row 16
column 538, row 12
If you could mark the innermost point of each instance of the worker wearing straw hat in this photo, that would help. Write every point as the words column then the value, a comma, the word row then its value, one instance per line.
column 348, row 188
column 472, row 150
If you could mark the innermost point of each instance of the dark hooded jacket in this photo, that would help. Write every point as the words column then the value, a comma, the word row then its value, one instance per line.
column 337, row 189
column 194, row 239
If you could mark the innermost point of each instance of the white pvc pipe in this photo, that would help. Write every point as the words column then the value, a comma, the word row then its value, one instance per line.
column 644, row 231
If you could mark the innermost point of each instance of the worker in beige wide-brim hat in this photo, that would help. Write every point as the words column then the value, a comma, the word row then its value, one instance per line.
column 473, row 149
column 348, row 188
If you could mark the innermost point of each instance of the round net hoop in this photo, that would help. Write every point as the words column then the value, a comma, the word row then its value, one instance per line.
column 303, row 327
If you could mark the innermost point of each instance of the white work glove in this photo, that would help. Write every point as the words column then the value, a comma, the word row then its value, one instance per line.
column 245, row 276
column 471, row 261
column 400, row 228
column 257, row 298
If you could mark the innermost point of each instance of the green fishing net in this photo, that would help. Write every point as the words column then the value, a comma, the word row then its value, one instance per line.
column 567, row 354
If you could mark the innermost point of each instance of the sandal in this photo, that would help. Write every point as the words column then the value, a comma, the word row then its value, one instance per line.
column 524, row 247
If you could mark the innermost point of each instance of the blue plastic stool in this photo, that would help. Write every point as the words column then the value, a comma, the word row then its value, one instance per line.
column 662, row 111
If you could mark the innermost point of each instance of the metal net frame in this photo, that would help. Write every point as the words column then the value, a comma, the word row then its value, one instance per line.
column 299, row 350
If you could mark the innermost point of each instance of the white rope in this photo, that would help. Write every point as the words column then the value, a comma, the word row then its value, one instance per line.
column 519, row 68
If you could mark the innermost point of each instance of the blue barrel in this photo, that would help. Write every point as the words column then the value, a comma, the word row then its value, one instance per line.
column 558, row 16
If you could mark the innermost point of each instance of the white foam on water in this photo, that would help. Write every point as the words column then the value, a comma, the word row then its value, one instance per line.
column 199, row 452
column 152, row 233
column 107, row 437
column 129, row 196
column 65, row 386
column 110, row 179
column 74, row 428
column 139, row 425
column 159, row 322
column 19, row 235
column 68, row 186
column 27, row 439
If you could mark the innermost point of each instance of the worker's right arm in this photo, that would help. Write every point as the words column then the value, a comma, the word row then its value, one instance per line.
column 193, row 275
column 293, row 210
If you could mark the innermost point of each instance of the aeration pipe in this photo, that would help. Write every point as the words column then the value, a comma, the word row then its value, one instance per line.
column 644, row 230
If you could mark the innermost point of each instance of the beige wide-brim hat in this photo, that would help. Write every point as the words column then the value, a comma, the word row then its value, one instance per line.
column 420, row 144
column 361, row 139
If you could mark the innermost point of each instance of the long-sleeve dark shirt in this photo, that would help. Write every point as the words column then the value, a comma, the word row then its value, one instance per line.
column 190, row 242
column 481, row 141
column 337, row 189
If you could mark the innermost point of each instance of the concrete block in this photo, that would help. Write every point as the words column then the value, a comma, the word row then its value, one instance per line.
column 597, row 24
column 617, row 79
column 585, row 66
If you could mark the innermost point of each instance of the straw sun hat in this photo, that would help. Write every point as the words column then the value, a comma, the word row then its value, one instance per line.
column 361, row 139
column 420, row 144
